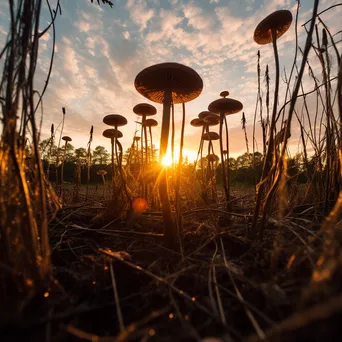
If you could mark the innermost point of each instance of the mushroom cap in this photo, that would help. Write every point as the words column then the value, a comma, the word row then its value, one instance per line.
column 212, row 120
column 183, row 82
column 144, row 109
column 225, row 106
column 66, row 138
column 280, row 21
column 224, row 93
column 150, row 123
column 225, row 152
column 212, row 157
column 115, row 120
column 197, row 122
column 101, row 172
column 136, row 138
column 204, row 114
column 210, row 136
column 112, row 133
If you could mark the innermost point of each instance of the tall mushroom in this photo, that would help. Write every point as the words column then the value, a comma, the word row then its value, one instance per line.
column 225, row 106
column 268, row 31
column 112, row 134
column 168, row 83
column 115, row 120
column 144, row 110
column 102, row 173
column 150, row 123
column 197, row 122
column 66, row 139
column 211, row 136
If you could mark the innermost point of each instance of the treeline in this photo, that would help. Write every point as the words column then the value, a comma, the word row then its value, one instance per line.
column 244, row 170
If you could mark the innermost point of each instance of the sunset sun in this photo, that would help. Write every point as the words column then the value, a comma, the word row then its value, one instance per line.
column 167, row 161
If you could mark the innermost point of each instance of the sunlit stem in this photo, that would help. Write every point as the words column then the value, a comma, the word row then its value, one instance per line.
column 62, row 168
column 151, row 143
column 228, row 165
column 173, row 135
column 113, row 166
column 224, row 176
column 178, row 209
column 270, row 148
column 169, row 231
column 146, row 155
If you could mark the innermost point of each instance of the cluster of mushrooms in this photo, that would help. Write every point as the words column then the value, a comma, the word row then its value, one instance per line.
column 170, row 84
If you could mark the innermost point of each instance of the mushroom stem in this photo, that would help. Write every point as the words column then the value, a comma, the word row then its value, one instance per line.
column 170, row 236
column 270, row 148
column 173, row 135
column 151, row 144
column 228, row 165
column 146, row 143
column 180, row 160
column 146, row 156
column 225, row 185
column 201, row 160
column 113, row 167
column 276, row 89
column 62, row 168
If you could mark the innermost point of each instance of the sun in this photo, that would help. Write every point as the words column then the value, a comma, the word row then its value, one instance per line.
column 167, row 161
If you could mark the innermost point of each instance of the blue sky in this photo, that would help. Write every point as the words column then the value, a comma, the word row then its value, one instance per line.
column 100, row 50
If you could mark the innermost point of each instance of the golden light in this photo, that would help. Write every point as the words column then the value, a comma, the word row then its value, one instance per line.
column 139, row 205
column 167, row 160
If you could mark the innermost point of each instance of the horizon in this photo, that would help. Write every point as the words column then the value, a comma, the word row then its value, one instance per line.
column 99, row 51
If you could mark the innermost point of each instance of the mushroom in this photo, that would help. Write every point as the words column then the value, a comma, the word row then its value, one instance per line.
column 225, row 106
column 150, row 123
column 89, row 159
column 212, row 164
column 66, row 139
column 268, row 31
column 112, row 134
column 116, row 120
column 168, row 83
column 210, row 136
column 102, row 173
column 144, row 110
column 50, row 150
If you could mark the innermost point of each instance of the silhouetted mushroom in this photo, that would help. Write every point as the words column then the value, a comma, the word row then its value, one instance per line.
column 89, row 158
column 111, row 134
column 144, row 110
column 117, row 120
column 225, row 106
column 168, row 83
column 150, row 123
column 268, row 31
column 66, row 139
column 210, row 136
column 102, row 173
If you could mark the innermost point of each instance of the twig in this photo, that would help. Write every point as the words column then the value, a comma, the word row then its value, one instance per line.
column 116, row 297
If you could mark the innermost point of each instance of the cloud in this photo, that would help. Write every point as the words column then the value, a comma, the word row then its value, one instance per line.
column 100, row 51
column 139, row 13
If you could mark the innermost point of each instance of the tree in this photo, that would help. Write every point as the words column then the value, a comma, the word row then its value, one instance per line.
column 100, row 155
column 80, row 155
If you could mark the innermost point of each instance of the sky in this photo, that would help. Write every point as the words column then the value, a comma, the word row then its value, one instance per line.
column 100, row 50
